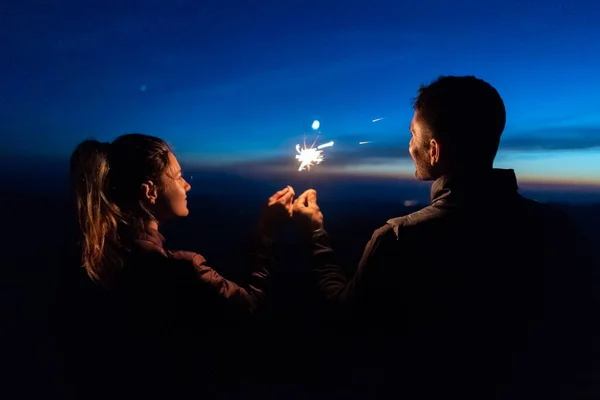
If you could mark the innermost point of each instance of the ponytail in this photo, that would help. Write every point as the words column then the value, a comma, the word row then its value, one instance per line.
column 97, row 215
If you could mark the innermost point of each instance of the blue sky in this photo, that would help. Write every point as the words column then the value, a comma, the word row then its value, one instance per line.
column 228, row 82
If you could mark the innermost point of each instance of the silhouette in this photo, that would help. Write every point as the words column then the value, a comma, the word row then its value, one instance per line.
column 158, row 322
column 481, row 294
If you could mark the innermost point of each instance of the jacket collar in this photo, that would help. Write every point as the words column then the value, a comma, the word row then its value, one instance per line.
column 495, row 183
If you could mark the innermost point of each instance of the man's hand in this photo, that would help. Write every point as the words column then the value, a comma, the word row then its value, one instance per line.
column 279, row 209
column 306, row 212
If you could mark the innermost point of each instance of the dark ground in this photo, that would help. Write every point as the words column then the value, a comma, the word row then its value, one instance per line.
column 38, row 227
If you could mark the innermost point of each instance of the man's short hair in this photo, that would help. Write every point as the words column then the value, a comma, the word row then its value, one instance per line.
column 463, row 113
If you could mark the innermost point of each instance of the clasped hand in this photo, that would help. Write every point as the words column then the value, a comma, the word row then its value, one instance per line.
column 304, row 211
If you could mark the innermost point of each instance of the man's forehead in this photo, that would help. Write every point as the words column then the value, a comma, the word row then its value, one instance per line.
column 416, row 120
column 412, row 124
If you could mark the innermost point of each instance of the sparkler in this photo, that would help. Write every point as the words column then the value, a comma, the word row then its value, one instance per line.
column 310, row 156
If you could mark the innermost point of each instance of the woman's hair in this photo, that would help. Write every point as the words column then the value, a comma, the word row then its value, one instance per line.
column 106, row 180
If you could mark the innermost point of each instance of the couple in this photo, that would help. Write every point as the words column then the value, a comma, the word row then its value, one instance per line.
column 482, row 293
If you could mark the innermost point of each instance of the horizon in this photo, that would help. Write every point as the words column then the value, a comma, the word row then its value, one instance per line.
column 50, row 178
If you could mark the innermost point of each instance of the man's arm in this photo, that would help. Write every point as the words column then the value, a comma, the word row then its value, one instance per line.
column 332, row 282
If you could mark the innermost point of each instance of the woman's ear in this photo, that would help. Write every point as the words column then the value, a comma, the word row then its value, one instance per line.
column 149, row 192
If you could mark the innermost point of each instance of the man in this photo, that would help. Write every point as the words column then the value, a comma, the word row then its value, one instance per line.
column 479, row 294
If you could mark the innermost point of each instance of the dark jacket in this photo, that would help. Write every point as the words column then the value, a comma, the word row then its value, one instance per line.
column 481, row 292
column 169, row 325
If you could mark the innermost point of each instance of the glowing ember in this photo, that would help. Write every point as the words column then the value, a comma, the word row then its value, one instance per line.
column 310, row 156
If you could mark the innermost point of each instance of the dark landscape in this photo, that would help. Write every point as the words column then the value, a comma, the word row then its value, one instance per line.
column 224, row 208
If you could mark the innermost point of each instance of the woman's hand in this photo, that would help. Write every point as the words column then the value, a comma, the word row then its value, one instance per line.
column 278, row 210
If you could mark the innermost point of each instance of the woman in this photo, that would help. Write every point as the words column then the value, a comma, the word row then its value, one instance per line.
column 171, row 315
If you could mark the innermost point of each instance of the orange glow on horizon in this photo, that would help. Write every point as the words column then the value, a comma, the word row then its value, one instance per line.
column 405, row 176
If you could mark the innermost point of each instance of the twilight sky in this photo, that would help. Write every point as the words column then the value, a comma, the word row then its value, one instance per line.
column 230, row 82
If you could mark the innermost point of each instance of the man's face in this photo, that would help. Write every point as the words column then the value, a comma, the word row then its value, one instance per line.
column 423, row 150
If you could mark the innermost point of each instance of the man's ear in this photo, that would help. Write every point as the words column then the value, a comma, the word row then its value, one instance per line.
column 149, row 192
column 434, row 152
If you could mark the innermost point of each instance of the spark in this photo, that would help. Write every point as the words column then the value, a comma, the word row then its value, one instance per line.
column 316, row 124
column 328, row 144
column 364, row 142
column 310, row 156
column 378, row 119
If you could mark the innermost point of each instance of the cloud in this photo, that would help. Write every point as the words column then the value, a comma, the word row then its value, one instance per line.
column 555, row 138
column 347, row 151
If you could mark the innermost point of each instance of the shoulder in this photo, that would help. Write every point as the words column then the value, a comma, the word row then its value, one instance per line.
column 401, row 231
column 151, row 249
column 150, row 254
column 401, row 227
column 418, row 219
column 551, row 217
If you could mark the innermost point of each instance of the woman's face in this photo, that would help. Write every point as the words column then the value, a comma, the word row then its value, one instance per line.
column 171, row 199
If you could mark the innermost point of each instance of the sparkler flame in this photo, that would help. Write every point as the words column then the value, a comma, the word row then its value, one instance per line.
column 310, row 156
